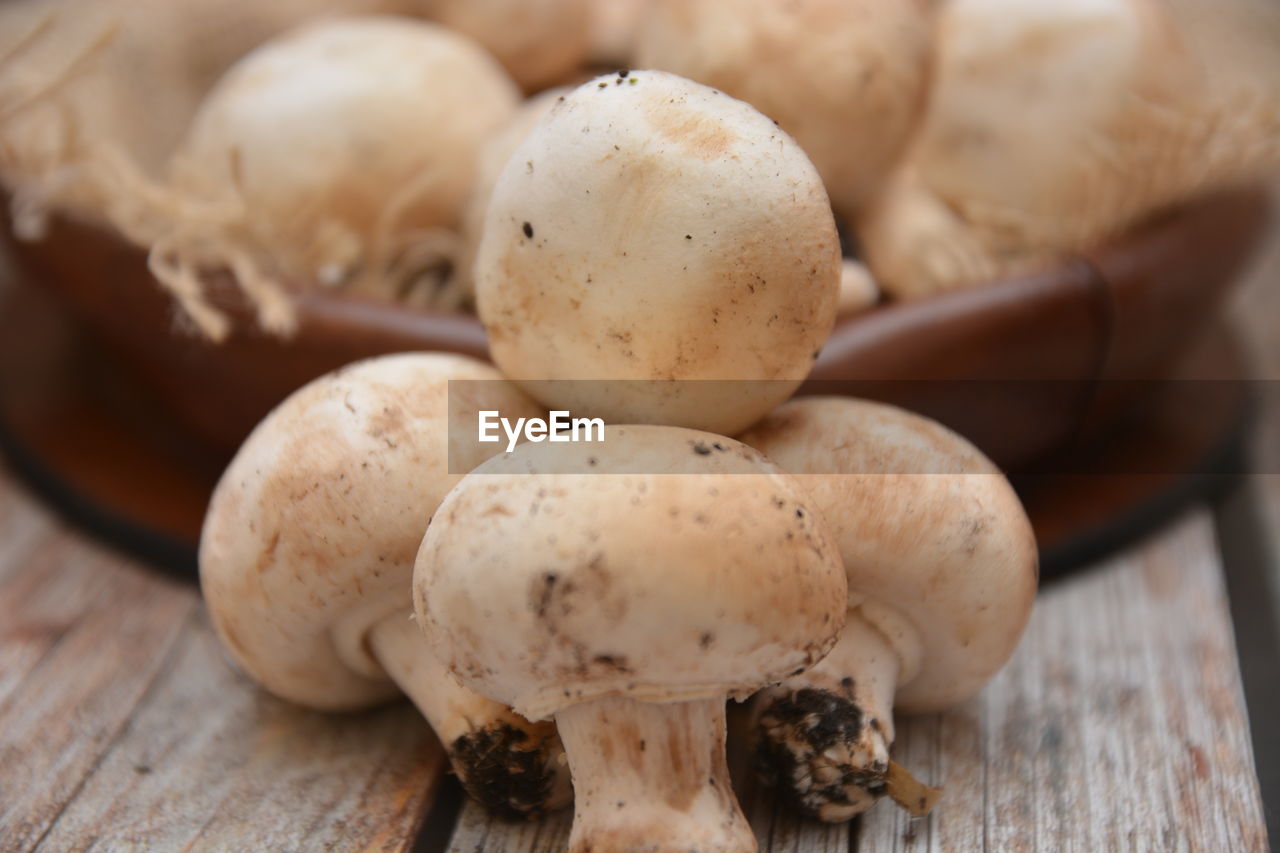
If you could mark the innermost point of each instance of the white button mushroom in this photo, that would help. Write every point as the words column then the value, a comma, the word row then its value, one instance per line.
column 540, row 42
column 494, row 155
column 1053, row 126
column 306, row 558
column 942, row 567
column 651, row 228
column 847, row 78
column 858, row 290
column 615, row 27
column 625, row 588
column 339, row 153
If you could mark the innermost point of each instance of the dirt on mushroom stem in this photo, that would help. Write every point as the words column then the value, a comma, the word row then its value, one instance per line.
column 824, row 736
column 511, row 766
column 941, row 563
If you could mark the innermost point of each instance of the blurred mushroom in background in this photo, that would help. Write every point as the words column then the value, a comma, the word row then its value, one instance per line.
column 86, row 81
column 847, row 78
column 615, row 27
column 540, row 42
column 494, row 154
column 1052, row 127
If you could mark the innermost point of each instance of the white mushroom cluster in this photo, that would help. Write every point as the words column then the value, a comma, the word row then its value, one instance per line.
column 582, row 610
column 656, row 249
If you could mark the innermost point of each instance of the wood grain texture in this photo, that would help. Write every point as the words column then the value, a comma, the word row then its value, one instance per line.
column 478, row 833
column 82, row 636
column 122, row 727
column 1119, row 725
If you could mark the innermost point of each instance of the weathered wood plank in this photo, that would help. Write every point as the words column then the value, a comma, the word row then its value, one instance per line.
column 211, row 763
column 1118, row 725
column 81, row 658
column 778, row 830
column 23, row 526
column 122, row 727
column 479, row 833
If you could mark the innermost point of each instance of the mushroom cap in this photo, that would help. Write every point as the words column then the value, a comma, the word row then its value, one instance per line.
column 539, row 42
column 926, row 524
column 311, row 533
column 614, row 29
column 658, row 230
column 319, row 130
column 494, row 154
column 847, row 78
column 1038, row 107
column 684, row 566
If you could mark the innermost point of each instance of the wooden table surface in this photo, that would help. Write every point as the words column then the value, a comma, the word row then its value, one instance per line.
column 1120, row 724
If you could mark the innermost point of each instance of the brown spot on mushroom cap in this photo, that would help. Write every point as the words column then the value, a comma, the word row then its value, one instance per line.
column 696, row 133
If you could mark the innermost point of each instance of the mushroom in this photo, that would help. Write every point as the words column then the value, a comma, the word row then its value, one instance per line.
column 615, row 27
column 306, row 558
column 625, row 588
column 337, row 154
column 847, row 78
column 1053, row 126
column 942, row 571
column 494, row 154
column 651, row 228
column 540, row 42
column 83, row 75
column 858, row 291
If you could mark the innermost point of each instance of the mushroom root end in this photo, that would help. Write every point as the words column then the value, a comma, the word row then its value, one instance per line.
column 515, row 772
column 822, row 754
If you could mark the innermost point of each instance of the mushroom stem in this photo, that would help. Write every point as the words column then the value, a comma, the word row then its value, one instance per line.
column 511, row 766
column 651, row 777
column 825, row 735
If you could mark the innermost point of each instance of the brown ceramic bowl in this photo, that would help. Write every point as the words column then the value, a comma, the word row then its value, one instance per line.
column 1020, row 366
